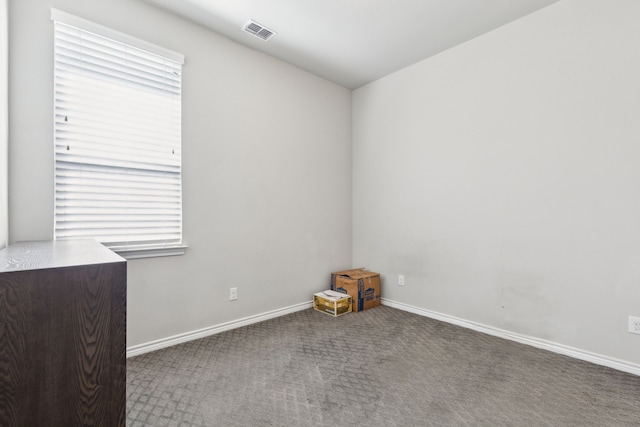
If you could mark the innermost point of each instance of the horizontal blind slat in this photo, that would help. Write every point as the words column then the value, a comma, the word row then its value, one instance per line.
column 67, row 30
column 90, row 51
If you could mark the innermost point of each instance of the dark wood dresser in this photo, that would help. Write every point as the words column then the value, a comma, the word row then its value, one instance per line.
column 62, row 334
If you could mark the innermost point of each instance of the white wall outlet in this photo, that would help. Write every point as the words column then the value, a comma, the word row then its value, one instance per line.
column 634, row 325
column 233, row 294
column 401, row 280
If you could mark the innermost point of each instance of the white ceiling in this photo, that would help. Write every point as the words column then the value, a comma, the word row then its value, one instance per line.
column 354, row 42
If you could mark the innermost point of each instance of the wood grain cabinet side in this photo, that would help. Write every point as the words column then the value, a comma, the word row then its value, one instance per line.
column 62, row 335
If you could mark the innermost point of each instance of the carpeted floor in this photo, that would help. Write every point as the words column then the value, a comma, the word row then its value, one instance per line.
column 381, row 367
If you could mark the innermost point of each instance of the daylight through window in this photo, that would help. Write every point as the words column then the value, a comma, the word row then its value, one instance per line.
column 117, row 141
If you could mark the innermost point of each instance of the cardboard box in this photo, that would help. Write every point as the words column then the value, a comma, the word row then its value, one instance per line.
column 333, row 303
column 362, row 285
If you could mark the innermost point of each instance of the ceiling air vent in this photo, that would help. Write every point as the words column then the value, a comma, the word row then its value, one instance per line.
column 258, row 30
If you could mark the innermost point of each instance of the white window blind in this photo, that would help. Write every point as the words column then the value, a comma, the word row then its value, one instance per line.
column 117, row 141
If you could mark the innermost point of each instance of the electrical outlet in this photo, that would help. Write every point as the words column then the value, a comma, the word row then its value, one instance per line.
column 233, row 294
column 634, row 325
column 401, row 280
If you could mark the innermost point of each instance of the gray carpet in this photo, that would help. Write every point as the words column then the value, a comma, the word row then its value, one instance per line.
column 381, row 367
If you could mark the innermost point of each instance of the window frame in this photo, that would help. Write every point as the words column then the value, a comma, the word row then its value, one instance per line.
column 138, row 249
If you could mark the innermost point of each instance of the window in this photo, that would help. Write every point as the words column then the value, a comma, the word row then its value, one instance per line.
column 117, row 134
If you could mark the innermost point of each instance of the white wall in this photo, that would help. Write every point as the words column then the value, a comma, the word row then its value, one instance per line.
column 266, row 170
column 4, row 104
column 501, row 178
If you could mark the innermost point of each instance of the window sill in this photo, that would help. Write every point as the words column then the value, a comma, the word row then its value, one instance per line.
column 149, row 251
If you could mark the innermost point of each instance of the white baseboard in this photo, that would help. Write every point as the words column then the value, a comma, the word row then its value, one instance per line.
column 576, row 353
column 139, row 349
